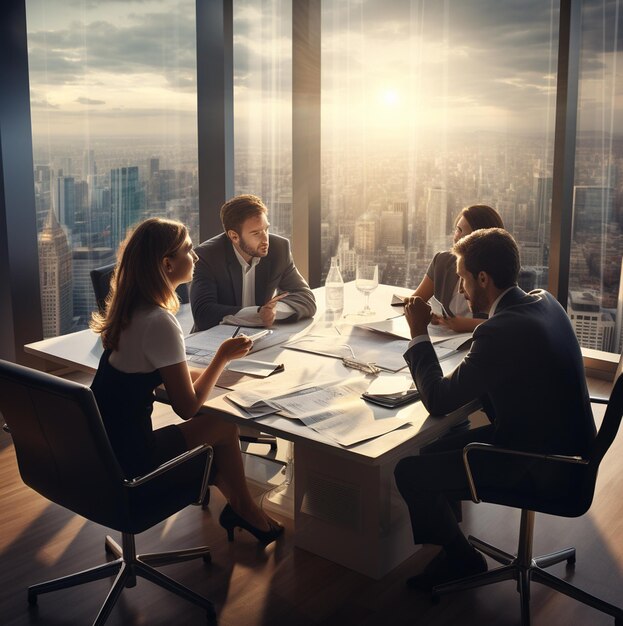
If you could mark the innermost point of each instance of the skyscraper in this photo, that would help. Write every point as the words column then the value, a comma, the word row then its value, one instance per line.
column 593, row 327
column 56, row 279
column 365, row 236
column 65, row 200
column 592, row 210
column 436, row 217
column 125, row 201
column 392, row 226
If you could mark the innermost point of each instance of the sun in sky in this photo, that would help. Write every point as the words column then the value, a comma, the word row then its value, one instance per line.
column 389, row 98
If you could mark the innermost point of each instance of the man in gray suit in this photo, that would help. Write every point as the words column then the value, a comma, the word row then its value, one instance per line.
column 525, row 366
column 245, row 276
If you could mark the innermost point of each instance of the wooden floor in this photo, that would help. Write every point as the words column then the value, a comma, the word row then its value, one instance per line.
column 284, row 585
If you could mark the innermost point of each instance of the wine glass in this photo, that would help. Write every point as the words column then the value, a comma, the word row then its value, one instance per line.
column 367, row 280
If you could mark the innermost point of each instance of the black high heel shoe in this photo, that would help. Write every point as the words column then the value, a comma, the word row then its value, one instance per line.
column 229, row 520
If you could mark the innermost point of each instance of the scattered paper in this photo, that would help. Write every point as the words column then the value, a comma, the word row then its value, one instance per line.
column 390, row 384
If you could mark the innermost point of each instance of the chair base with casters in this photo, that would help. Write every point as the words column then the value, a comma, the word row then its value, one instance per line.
column 64, row 454
column 525, row 568
column 127, row 566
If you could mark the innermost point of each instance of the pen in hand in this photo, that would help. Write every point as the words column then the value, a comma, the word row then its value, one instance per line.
column 236, row 331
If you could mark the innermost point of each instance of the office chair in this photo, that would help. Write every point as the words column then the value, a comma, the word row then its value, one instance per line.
column 569, row 495
column 63, row 453
column 100, row 279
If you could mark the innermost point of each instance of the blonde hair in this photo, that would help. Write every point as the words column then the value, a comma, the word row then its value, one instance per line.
column 139, row 277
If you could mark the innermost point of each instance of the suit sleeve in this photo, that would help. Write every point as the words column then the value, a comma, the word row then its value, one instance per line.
column 300, row 297
column 470, row 380
column 207, row 311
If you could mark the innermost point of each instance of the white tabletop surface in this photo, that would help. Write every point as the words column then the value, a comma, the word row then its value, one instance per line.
column 83, row 350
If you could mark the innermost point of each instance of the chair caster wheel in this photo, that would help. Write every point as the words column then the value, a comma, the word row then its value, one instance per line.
column 571, row 561
column 32, row 599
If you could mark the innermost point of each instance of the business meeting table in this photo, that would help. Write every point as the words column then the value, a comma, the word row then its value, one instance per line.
column 346, row 506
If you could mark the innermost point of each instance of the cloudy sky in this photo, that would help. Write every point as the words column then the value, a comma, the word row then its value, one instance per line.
column 388, row 66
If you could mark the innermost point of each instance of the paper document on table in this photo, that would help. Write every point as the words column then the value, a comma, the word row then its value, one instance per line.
column 337, row 412
column 394, row 327
column 356, row 343
column 202, row 346
column 350, row 424
column 258, row 403
column 437, row 307
column 390, row 384
column 460, row 341
column 399, row 327
column 439, row 333
column 260, row 369
column 320, row 398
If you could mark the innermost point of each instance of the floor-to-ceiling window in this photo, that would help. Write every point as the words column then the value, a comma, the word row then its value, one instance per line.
column 113, row 103
column 595, row 303
column 428, row 107
column 263, row 106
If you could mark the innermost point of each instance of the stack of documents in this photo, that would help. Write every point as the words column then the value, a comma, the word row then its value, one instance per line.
column 357, row 344
column 334, row 410
column 202, row 346
column 445, row 340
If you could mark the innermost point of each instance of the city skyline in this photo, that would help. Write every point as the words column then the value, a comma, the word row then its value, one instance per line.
column 376, row 215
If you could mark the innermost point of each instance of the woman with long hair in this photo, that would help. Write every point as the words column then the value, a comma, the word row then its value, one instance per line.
column 144, row 348
column 441, row 279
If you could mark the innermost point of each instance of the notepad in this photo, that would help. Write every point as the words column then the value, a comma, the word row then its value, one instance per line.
column 261, row 369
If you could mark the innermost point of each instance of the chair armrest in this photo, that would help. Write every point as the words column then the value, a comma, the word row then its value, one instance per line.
column 487, row 447
column 174, row 462
column 597, row 400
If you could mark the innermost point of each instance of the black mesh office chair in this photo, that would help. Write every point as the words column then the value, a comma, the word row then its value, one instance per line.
column 100, row 278
column 63, row 453
column 569, row 495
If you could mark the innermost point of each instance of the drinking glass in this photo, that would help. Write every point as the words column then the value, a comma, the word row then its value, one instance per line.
column 367, row 280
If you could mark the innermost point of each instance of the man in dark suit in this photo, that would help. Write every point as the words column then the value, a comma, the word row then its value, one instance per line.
column 524, row 365
column 245, row 276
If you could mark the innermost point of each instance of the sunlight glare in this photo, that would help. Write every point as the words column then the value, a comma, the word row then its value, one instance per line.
column 390, row 98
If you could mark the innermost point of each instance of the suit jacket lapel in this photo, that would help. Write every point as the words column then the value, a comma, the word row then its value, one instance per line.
column 235, row 272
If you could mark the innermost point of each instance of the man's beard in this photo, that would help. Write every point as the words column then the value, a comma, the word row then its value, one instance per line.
column 477, row 302
column 252, row 252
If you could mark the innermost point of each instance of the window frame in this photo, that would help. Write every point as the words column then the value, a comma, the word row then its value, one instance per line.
column 20, row 311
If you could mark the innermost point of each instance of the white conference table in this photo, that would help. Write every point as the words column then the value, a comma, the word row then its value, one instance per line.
column 346, row 506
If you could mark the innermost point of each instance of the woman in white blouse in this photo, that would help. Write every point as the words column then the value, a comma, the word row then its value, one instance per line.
column 143, row 348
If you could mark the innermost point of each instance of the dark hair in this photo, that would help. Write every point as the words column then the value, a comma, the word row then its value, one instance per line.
column 481, row 216
column 237, row 210
column 491, row 250
column 139, row 277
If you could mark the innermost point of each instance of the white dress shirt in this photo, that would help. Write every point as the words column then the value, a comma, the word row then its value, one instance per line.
column 249, row 313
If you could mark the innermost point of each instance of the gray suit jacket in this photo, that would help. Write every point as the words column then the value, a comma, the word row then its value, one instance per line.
column 526, row 366
column 216, row 289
